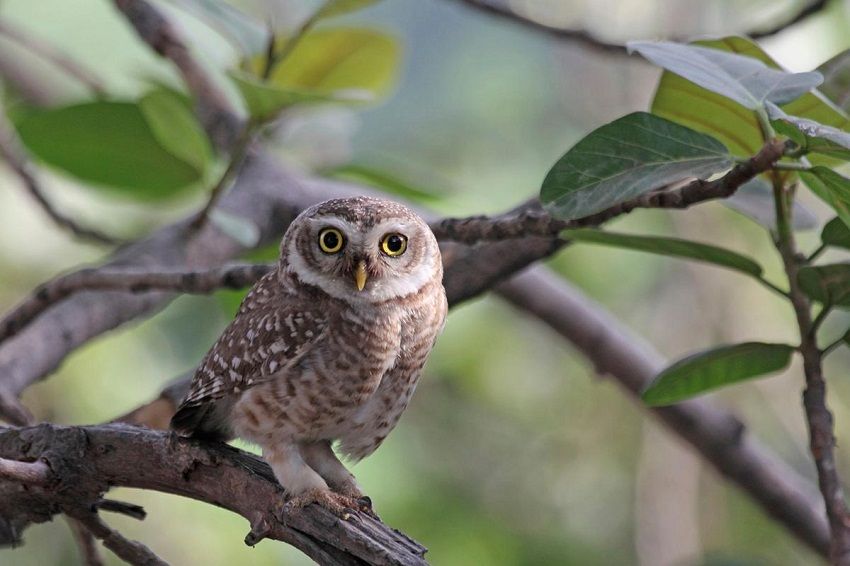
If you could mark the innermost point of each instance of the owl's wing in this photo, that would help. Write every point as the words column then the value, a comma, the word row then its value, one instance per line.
column 261, row 342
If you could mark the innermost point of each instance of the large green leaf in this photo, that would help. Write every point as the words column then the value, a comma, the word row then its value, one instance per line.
column 682, row 101
column 746, row 80
column 828, row 284
column 176, row 128
column 833, row 188
column 836, row 79
column 836, row 234
column 330, row 60
column 812, row 136
column 670, row 247
column 110, row 144
column 333, row 8
column 715, row 368
column 755, row 200
column 626, row 158
column 249, row 35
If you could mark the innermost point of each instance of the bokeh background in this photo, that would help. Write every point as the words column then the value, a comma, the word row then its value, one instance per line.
column 513, row 451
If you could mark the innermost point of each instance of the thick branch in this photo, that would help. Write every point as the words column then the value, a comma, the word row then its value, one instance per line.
column 528, row 220
column 500, row 9
column 716, row 434
column 87, row 461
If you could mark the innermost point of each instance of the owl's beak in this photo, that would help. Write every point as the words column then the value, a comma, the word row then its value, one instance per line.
column 360, row 275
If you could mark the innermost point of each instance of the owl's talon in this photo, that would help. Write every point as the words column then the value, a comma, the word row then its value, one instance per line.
column 340, row 505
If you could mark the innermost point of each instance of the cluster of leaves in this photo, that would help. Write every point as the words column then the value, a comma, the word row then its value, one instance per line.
column 153, row 147
column 717, row 103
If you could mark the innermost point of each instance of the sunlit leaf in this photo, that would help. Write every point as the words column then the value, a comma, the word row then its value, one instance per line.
column 836, row 234
column 682, row 101
column 755, row 199
column 626, row 158
column 250, row 35
column 110, row 144
column 828, row 284
column 331, row 60
column 266, row 101
column 836, row 79
column 176, row 128
column 333, row 8
column 832, row 188
column 812, row 136
column 239, row 228
column 745, row 80
column 670, row 247
column 715, row 368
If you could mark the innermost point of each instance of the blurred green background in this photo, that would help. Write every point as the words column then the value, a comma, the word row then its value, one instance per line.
column 513, row 451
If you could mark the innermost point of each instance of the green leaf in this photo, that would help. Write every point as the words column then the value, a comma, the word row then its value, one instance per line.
column 836, row 234
column 831, row 187
column 625, row 159
column 746, row 80
column 812, row 136
column 670, row 247
column 734, row 125
column 176, row 128
column 381, row 180
column 836, row 79
column 755, row 200
column 827, row 284
column 110, row 144
column 328, row 61
column 265, row 101
column 715, row 368
column 249, row 35
column 333, row 8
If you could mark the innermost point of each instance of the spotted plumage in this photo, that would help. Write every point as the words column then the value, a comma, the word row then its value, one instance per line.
column 327, row 348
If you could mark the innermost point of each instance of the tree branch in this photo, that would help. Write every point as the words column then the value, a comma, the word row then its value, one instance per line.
column 59, row 59
column 717, row 435
column 499, row 9
column 15, row 157
column 527, row 220
column 127, row 550
column 90, row 460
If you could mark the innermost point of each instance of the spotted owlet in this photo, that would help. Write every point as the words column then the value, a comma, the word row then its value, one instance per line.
column 328, row 347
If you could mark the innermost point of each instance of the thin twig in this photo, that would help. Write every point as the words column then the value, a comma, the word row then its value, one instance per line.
column 833, row 345
column 237, row 158
column 816, row 254
column 208, row 281
column 87, row 544
column 501, row 9
column 130, row 551
column 58, row 58
column 122, row 507
column 818, row 416
column 37, row 473
column 15, row 156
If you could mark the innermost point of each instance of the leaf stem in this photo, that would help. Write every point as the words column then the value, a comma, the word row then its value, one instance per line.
column 815, row 254
column 790, row 166
column 767, row 131
column 273, row 58
column 819, row 319
column 833, row 345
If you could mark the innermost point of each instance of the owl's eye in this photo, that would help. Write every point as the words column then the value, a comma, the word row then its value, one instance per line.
column 394, row 244
column 331, row 240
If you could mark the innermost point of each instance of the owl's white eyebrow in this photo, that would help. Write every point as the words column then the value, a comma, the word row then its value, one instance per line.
column 389, row 226
column 343, row 225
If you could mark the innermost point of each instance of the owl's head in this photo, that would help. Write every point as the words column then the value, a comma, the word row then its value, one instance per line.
column 361, row 250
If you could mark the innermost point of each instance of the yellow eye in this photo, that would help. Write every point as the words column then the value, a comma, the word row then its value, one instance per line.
column 331, row 240
column 394, row 244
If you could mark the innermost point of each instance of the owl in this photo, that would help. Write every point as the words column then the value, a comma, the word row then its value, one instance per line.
column 325, row 349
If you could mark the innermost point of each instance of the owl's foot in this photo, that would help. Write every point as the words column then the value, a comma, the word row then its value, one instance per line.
column 340, row 505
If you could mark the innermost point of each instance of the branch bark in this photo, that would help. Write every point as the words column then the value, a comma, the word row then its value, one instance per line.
column 88, row 461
